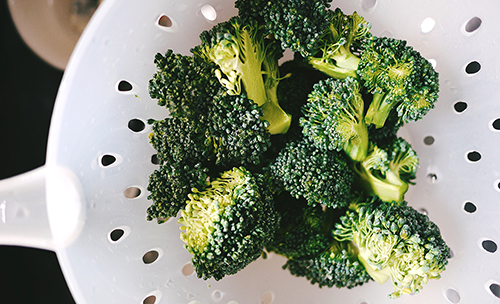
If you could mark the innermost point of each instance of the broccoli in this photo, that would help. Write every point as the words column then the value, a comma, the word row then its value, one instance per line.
column 388, row 170
column 321, row 177
column 330, row 41
column 183, row 84
column 304, row 229
column 333, row 117
column 399, row 78
column 337, row 265
column 226, row 225
column 169, row 187
column 247, row 62
column 395, row 242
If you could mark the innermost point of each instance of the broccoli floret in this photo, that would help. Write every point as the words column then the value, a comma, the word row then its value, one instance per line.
column 184, row 84
column 388, row 131
column 395, row 242
column 235, row 132
column 333, row 117
column 247, row 63
column 399, row 78
column 337, row 266
column 297, row 24
column 321, row 177
column 304, row 229
column 388, row 170
column 341, row 44
column 227, row 224
column 169, row 187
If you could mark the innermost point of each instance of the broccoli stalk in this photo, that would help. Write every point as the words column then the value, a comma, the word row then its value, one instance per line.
column 399, row 78
column 333, row 117
column 248, row 63
column 388, row 170
column 344, row 35
column 395, row 242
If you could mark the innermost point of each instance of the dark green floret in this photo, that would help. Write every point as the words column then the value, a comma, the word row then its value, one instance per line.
column 337, row 265
column 399, row 78
column 247, row 62
column 321, row 177
column 388, row 170
column 227, row 224
column 395, row 242
column 304, row 229
column 334, row 117
column 169, row 187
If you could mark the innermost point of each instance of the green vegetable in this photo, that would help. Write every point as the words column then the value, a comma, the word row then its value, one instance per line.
column 333, row 117
column 227, row 224
column 395, row 242
column 247, row 63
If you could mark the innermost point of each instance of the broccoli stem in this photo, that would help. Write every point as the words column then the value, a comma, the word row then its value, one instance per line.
column 380, row 276
column 279, row 120
column 379, row 110
column 357, row 147
column 251, row 71
column 345, row 64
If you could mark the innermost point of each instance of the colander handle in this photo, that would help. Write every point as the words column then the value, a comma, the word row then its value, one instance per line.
column 23, row 211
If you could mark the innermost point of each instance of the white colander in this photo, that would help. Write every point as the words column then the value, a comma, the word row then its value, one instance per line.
column 88, row 202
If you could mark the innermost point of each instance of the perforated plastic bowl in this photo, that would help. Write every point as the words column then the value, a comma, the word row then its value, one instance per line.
column 99, row 160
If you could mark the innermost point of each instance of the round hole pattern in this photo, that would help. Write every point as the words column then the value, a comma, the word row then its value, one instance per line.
column 149, row 300
column 108, row 160
column 124, row 86
column 489, row 246
column 428, row 140
column 470, row 207
column 427, row 25
column 165, row 21
column 209, row 12
column 132, row 192
column 473, row 24
column 473, row 68
column 150, row 256
column 116, row 234
column 474, row 156
column 495, row 289
column 369, row 4
column 188, row 269
column 267, row 298
column 136, row 125
column 496, row 124
column 423, row 211
column 217, row 295
column 460, row 106
column 155, row 160
column 452, row 295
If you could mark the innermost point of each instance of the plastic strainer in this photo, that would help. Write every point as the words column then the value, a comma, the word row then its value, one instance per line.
column 88, row 202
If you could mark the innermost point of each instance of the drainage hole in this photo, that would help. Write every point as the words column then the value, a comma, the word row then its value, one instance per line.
column 496, row 124
column 473, row 24
column 165, row 21
column 108, row 160
column 452, row 295
column 188, row 269
column 470, row 207
column 136, row 125
column 149, row 300
column 155, row 160
column 267, row 298
column 209, row 12
column 428, row 140
column 474, row 156
column 427, row 25
column 460, row 106
column 495, row 289
column 489, row 246
column 116, row 234
column 150, row 256
column 132, row 192
column 124, row 86
column 473, row 67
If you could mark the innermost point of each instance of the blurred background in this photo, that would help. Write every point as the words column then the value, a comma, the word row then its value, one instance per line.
column 28, row 88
